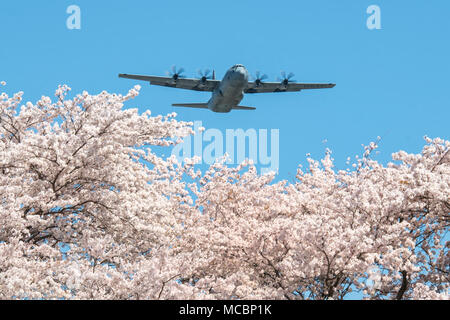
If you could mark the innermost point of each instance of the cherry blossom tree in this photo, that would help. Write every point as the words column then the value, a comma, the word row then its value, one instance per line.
column 90, row 211
column 321, row 237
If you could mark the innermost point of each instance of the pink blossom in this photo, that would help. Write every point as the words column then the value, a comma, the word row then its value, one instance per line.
column 89, row 211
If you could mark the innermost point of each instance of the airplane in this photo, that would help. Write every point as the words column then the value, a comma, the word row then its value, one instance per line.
column 228, row 93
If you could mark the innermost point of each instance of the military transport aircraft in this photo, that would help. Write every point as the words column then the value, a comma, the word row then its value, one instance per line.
column 228, row 93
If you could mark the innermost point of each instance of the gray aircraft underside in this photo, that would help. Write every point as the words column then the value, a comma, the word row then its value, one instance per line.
column 228, row 93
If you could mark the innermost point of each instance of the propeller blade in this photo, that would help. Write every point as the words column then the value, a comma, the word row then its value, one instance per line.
column 259, row 77
column 286, row 79
column 174, row 73
column 204, row 75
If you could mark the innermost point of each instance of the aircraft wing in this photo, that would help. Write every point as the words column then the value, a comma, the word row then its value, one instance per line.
column 182, row 83
column 252, row 87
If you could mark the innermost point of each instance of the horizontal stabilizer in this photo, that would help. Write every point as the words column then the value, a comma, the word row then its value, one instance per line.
column 243, row 108
column 191, row 105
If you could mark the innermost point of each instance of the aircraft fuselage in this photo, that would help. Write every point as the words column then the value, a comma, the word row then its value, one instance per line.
column 230, row 92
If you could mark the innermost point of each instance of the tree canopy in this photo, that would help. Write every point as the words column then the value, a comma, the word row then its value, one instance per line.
column 89, row 211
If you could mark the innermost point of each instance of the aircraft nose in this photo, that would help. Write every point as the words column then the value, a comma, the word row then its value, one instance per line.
column 241, row 73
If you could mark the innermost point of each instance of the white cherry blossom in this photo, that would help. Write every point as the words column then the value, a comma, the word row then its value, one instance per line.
column 88, row 210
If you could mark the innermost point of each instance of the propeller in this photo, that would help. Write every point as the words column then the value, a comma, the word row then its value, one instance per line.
column 259, row 78
column 286, row 79
column 175, row 74
column 205, row 75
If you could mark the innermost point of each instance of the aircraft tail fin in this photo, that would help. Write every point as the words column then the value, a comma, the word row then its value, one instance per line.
column 191, row 105
column 243, row 108
column 205, row 106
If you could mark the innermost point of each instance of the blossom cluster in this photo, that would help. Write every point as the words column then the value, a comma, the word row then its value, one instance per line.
column 89, row 210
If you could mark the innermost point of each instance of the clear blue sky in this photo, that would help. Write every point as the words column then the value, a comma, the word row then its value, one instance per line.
column 392, row 83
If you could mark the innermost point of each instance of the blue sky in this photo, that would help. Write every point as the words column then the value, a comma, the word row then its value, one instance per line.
column 391, row 82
